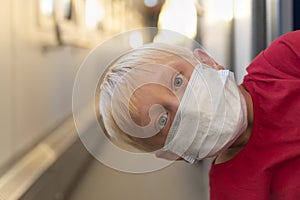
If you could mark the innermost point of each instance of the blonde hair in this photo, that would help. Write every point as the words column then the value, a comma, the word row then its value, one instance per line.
column 147, row 54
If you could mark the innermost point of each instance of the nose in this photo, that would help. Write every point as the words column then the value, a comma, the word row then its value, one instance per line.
column 173, row 102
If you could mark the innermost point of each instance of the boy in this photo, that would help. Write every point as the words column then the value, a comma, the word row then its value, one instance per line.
column 162, row 99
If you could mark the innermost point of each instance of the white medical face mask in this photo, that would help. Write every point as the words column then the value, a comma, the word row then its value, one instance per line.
column 211, row 116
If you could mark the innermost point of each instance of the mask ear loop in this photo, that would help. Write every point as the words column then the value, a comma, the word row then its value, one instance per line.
column 166, row 155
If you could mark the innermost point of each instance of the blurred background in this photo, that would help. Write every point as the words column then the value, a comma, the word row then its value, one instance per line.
column 43, row 43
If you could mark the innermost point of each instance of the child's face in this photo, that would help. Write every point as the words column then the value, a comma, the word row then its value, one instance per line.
column 148, row 95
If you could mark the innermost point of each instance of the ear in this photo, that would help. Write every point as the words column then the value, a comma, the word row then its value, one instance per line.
column 206, row 59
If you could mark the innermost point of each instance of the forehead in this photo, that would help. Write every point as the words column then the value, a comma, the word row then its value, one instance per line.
column 161, row 69
column 162, row 73
column 175, row 61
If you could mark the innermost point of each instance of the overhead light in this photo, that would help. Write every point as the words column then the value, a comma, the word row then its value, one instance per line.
column 46, row 7
column 226, row 11
column 242, row 10
column 179, row 16
column 94, row 13
column 219, row 9
column 150, row 3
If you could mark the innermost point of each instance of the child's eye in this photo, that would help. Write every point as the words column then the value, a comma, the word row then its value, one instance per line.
column 178, row 81
column 162, row 121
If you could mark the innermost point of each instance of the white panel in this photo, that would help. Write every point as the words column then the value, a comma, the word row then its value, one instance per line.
column 44, row 79
column 5, row 81
column 286, row 16
column 243, row 37
column 279, row 18
column 273, row 16
column 216, row 29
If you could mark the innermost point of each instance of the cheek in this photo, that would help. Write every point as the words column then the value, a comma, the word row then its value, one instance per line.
column 153, row 143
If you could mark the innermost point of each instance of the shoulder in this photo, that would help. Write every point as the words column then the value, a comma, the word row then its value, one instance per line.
column 285, row 47
column 291, row 39
column 280, row 60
